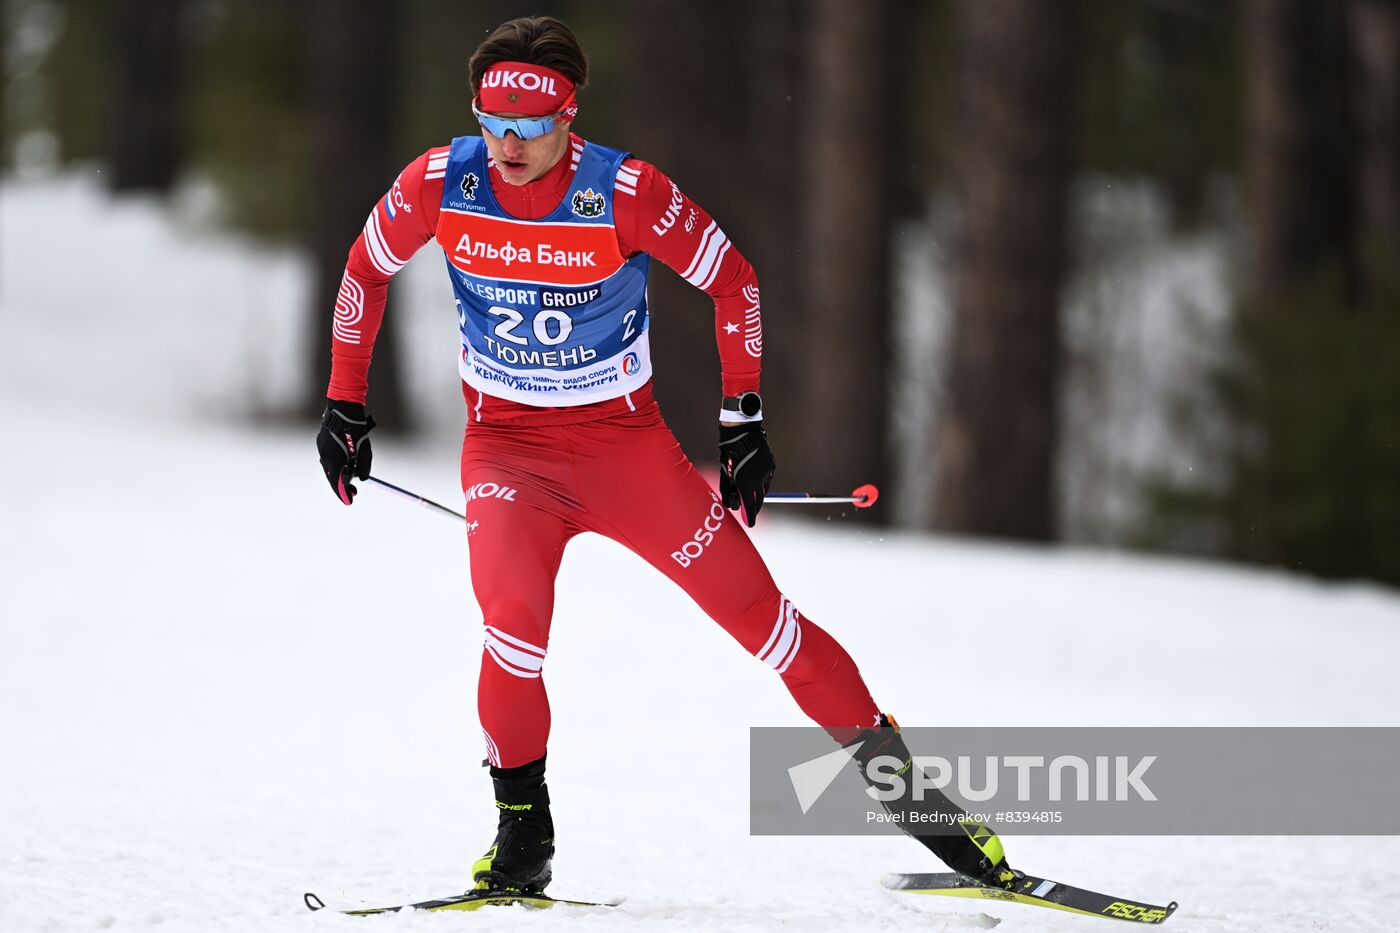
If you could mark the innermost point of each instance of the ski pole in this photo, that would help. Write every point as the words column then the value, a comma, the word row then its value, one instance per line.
column 863, row 497
column 414, row 497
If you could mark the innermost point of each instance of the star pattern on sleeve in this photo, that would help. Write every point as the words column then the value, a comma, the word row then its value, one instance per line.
column 655, row 217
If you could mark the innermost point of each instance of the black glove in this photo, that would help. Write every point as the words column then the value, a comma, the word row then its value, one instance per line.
column 343, row 446
column 746, row 467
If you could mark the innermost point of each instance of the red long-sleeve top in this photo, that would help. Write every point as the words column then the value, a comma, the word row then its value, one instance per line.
column 651, row 214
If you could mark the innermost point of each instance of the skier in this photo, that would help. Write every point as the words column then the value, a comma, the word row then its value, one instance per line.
column 547, row 239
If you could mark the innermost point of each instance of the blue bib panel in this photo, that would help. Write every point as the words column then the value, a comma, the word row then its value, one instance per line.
column 551, row 314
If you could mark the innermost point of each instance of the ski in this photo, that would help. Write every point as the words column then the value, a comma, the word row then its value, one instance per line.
column 472, row 900
column 1032, row 890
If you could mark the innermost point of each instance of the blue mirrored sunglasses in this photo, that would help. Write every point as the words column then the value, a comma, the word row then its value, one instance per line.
column 524, row 127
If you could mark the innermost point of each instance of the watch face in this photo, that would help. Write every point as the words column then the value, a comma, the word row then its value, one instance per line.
column 750, row 404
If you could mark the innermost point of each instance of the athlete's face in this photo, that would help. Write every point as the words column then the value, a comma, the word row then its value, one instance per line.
column 521, row 161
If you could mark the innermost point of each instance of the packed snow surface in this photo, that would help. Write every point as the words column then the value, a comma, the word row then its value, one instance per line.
column 219, row 688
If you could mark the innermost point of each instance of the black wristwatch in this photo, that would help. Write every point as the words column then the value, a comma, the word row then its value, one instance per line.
column 747, row 404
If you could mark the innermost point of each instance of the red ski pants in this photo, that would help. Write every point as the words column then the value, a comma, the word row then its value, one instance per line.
column 529, row 489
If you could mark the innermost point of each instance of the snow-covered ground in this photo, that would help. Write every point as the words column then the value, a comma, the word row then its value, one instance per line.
column 219, row 688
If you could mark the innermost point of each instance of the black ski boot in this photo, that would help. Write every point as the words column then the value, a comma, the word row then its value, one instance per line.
column 975, row 852
column 519, row 859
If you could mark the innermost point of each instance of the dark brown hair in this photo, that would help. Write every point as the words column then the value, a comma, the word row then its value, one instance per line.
column 535, row 40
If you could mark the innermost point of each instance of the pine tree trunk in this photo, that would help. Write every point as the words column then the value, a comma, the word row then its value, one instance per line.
column 1302, row 203
column 354, row 60
column 683, row 114
column 845, row 216
column 145, row 133
column 4, row 137
column 999, row 429
column 1375, row 40
column 772, row 108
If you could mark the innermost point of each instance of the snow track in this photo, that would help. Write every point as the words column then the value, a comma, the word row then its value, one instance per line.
column 219, row 688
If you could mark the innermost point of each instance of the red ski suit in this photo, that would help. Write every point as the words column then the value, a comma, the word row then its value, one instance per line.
column 534, row 477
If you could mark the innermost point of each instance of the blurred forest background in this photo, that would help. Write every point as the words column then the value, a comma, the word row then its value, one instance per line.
column 1117, row 273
